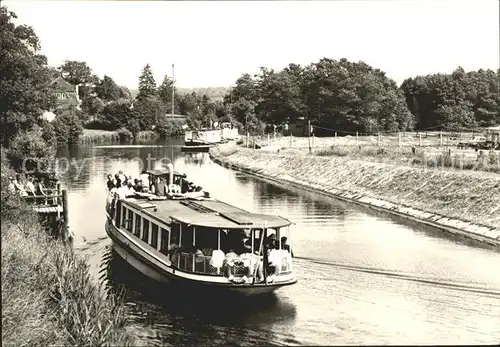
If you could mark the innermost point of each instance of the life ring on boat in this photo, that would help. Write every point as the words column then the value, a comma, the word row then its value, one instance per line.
column 237, row 280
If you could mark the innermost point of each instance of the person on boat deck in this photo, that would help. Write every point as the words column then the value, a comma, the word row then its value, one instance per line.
column 130, row 186
column 285, row 246
column 137, row 185
column 162, row 186
column 183, row 182
column 270, row 242
column 231, row 258
column 110, row 183
column 121, row 176
column 118, row 181
column 123, row 191
column 173, row 250
column 274, row 258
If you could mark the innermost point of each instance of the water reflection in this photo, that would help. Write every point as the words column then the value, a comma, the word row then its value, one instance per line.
column 216, row 320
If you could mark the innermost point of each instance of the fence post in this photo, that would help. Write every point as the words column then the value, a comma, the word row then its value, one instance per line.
column 419, row 139
column 268, row 140
column 440, row 138
column 248, row 139
column 65, row 206
column 357, row 139
column 378, row 139
column 291, row 139
column 335, row 135
column 399, row 138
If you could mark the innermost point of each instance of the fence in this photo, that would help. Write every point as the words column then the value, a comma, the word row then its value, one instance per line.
column 398, row 139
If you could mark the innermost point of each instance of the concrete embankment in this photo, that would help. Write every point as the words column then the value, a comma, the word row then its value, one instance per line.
column 459, row 202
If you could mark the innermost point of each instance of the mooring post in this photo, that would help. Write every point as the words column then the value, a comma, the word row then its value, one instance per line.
column 65, row 208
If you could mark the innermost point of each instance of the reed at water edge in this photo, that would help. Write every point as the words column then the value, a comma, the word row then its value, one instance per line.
column 48, row 294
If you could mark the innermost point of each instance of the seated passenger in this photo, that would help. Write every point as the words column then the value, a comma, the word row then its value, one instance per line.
column 274, row 266
column 30, row 187
column 137, row 185
column 231, row 259
column 285, row 246
column 217, row 260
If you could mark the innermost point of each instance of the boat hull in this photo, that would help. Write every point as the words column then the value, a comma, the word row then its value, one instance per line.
column 162, row 275
column 197, row 148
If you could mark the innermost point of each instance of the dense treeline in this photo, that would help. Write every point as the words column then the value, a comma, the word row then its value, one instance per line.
column 347, row 97
column 456, row 101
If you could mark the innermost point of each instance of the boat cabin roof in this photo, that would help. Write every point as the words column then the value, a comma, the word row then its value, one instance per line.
column 213, row 214
column 163, row 172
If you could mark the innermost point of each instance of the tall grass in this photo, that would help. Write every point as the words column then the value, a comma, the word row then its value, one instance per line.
column 48, row 295
column 147, row 135
column 92, row 136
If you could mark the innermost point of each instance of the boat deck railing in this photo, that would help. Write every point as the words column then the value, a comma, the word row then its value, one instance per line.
column 197, row 264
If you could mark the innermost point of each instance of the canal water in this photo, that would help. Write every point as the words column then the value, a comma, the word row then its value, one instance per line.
column 363, row 278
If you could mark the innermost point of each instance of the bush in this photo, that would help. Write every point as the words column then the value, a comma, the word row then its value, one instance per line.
column 169, row 128
column 28, row 150
column 68, row 128
column 125, row 135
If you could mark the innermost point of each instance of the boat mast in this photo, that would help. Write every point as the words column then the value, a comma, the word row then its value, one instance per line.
column 173, row 91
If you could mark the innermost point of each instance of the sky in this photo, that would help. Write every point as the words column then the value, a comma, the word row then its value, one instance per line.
column 213, row 43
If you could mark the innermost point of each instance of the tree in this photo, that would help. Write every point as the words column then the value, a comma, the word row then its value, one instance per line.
column 29, row 151
column 108, row 90
column 125, row 93
column 92, row 106
column 24, row 78
column 77, row 72
column 68, row 128
column 116, row 115
column 460, row 100
column 147, row 84
column 165, row 90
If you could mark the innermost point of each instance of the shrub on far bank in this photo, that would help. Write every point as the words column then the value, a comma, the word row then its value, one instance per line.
column 68, row 129
column 169, row 128
column 125, row 135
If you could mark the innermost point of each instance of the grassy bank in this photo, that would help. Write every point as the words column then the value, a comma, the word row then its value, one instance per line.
column 48, row 295
column 392, row 150
column 462, row 194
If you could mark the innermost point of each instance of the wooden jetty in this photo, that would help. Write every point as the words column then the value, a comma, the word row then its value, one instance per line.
column 52, row 207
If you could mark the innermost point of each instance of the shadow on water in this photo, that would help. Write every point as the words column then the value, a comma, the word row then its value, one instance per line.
column 188, row 315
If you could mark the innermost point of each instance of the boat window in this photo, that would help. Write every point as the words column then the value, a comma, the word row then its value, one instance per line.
column 145, row 230
column 124, row 216
column 137, row 230
column 175, row 229
column 187, row 238
column 154, row 235
column 164, row 241
column 129, row 221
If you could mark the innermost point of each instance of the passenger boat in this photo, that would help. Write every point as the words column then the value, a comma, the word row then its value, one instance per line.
column 190, row 239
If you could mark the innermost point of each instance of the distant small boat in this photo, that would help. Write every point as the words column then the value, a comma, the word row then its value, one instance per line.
column 190, row 239
column 196, row 148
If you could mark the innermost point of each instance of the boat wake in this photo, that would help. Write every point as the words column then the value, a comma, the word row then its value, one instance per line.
column 406, row 277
